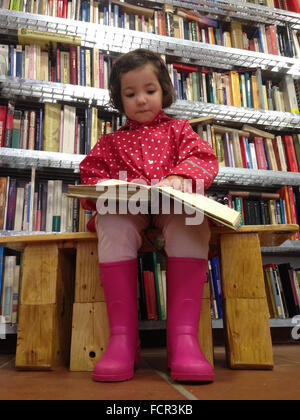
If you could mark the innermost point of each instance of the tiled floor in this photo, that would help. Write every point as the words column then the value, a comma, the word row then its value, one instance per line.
column 151, row 381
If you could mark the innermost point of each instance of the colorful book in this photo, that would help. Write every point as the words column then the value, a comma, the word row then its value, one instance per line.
column 3, row 112
column 9, row 124
column 290, row 153
column 217, row 283
column 51, row 127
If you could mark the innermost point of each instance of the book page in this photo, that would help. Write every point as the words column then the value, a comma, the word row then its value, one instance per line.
column 211, row 208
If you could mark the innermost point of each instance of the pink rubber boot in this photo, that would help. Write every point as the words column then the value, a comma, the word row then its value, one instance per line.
column 119, row 280
column 185, row 282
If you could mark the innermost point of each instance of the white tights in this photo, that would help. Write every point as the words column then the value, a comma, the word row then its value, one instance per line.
column 119, row 236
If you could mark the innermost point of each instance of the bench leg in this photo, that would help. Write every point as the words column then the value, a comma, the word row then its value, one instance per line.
column 246, row 314
column 90, row 333
column 45, row 312
column 90, row 329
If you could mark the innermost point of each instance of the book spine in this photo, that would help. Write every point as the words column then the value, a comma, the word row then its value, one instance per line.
column 9, row 124
column 9, row 264
column 15, row 294
column 3, row 111
column 157, row 290
column 82, row 67
column 11, row 204
column 217, row 283
column 147, row 294
column 3, row 191
column 51, row 127
column 290, row 153
column 260, row 153
column 73, row 65
column 32, row 130
column 38, row 227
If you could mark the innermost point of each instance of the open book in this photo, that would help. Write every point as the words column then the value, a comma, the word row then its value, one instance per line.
column 119, row 190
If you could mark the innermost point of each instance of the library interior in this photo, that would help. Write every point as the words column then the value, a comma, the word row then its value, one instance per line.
column 235, row 69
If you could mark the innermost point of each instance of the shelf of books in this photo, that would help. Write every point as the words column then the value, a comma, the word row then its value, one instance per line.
column 282, row 284
column 267, row 11
column 49, row 209
column 255, row 177
column 238, row 10
column 42, row 91
column 283, row 291
column 275, row 120
column 288, row 248
column 114, row 38
column 281, row 280
column 21, row 158
column 248, row 157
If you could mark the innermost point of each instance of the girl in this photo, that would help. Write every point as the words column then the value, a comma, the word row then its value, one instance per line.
column 150, row 146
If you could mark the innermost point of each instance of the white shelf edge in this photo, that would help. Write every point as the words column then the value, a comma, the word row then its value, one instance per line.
column 24, row 159
column 121, row 40
column 9, row 329
column 54, row 92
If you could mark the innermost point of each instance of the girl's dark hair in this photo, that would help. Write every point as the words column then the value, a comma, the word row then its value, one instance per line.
column 133, row 60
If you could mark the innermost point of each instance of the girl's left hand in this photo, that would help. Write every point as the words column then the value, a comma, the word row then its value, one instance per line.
column 176, row 182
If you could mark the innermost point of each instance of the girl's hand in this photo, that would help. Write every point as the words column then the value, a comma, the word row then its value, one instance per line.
column 176, row 182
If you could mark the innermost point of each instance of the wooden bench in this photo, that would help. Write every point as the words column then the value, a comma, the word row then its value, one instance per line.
column 62, row 313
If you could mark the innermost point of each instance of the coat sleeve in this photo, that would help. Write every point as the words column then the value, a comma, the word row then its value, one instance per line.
column 196, row 158
column 93, row 169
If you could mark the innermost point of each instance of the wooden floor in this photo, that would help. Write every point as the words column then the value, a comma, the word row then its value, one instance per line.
column 152, row 382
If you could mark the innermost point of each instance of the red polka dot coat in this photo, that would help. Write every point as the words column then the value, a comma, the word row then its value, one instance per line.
column 150, row 151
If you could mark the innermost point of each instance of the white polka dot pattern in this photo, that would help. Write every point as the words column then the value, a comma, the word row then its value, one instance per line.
column 150, row 151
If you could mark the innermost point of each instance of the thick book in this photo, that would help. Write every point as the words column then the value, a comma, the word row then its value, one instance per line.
column 260, row 153
column 290, row 153
column 28, row 36
column 51, row 127
column 150, row 293
column 3, row 197
column 3, row 112
column 135, row 10
column 9, row 124
column 198, row 202
column 217, row 283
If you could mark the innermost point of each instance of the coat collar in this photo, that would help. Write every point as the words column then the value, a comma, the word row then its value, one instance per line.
column 133, row 125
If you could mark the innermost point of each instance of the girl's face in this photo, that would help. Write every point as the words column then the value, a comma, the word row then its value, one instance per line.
column 141, row 94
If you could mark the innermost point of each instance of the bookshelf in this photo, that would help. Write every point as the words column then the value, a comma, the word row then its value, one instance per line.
column 216, row 324
column 114, row 41
column 119, row 40
column 237, row 9
column 54, row 92
column 12, row 158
